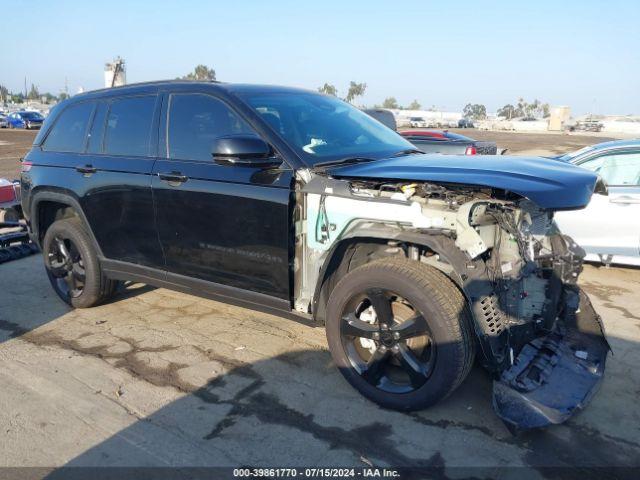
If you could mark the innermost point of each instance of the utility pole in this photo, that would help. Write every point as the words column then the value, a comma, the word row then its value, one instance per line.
column 25, row 88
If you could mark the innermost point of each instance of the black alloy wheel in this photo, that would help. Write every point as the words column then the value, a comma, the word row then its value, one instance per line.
column 66, row 266
column 387, row 341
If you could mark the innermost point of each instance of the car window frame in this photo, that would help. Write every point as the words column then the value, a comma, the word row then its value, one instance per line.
column 43, row 142
column 608, row 153
column 166, row 118
column 152, row 137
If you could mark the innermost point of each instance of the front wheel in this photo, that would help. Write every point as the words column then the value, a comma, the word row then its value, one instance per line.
column 72, row 265
column 400, row 333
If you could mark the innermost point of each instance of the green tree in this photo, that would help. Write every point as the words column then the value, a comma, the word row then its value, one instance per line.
column 508, row 111
column 475, row 111
column 63, row 96
column 390, row 102
column 201, row 73
column 328, row 89
column 546, row 110
column 415, row 105
column 34, row 94
column 355, row 90
column 4, row 94
column 49, row 98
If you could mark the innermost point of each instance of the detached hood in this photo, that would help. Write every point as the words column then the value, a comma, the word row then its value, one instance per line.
column 548, row 183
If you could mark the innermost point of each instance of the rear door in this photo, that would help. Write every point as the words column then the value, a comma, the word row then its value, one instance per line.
column 228, row 225
column 610, row 225
column 116, row 169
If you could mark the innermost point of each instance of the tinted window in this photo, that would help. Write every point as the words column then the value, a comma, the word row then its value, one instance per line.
column 129, row 125
column 67, row 134
column 94, row 143
column 195, row 120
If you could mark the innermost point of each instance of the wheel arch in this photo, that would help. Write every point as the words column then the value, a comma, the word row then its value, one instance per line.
column 49, row 205
column 340, row 258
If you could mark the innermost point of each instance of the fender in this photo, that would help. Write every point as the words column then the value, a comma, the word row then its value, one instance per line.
column 63, row 196
column 470, row 275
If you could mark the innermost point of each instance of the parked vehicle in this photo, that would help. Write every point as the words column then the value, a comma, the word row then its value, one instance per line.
column 465, row 123
column 418, row 122
column 26, row 120
column 10, row 210
column 443, row 141
column 14, row 237
column 3, row 121
column 385, row 117
column 299, row 204
column 609, row 228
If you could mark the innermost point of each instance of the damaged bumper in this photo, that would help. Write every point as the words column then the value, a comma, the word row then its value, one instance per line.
column 555, row 376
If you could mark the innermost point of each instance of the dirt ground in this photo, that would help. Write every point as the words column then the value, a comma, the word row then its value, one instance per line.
column 534, row 143
column 15, row 144
column 158, row 378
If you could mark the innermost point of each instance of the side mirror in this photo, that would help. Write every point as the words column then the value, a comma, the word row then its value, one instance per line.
column 243, row 151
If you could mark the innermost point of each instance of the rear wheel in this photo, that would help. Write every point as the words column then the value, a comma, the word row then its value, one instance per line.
column 72, row 265
column 400, row 333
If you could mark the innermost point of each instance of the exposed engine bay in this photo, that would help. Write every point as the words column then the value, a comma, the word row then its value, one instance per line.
column 517, row 271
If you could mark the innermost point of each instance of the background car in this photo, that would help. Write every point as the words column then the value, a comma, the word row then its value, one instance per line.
column 609, row 228
column 465, row 123
column 418, row 122
column 385, row 117
column 443, row 141
column 3, row 121
column 26, row 120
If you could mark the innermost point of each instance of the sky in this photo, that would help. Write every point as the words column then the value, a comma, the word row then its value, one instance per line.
column 584, row 54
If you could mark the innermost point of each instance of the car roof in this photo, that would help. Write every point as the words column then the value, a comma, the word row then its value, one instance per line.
column 635, row 142
column 146, row 87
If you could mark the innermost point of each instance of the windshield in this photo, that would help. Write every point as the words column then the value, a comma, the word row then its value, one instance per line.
column 567, row 157
column 322, row 128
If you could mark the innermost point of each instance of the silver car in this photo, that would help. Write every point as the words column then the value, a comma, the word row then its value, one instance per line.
column 609, row 228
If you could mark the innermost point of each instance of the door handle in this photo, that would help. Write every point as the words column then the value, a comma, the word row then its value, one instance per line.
column 173, row 178
column 86, row 170
column 624, row 200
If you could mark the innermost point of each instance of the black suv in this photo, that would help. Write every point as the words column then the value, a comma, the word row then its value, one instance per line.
column 297, row 203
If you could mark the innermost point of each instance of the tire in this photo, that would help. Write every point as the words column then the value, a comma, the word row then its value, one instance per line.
column 432, row 298
column 76, row 277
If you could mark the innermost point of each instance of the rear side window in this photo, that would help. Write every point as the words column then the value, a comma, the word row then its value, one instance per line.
column 195, row 120
column 128, row 127
column 68, row 133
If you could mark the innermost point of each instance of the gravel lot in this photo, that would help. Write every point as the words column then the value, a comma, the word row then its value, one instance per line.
column 158, row 378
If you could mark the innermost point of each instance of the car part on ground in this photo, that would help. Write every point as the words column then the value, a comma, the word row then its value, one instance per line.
column 443, row 141
column 411, row 260
column 14, row 241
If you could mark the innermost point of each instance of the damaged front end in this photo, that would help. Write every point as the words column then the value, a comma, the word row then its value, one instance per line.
column 536, row 331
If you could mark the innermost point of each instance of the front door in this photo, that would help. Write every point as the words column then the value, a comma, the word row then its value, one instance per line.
column 228, row 225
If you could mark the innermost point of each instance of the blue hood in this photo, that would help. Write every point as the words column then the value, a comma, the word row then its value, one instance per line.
column 548, row 183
